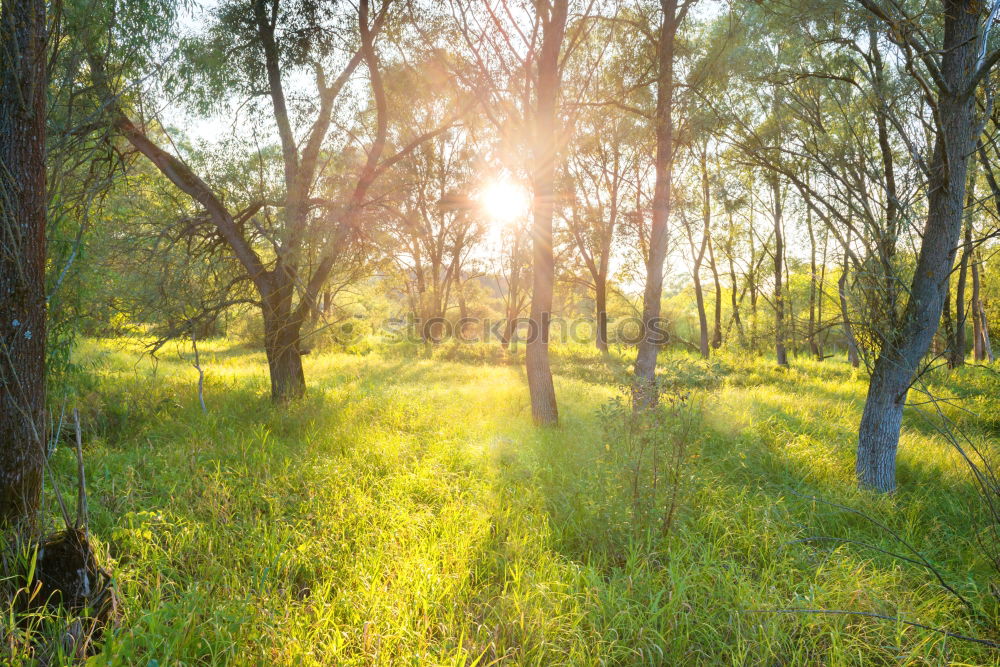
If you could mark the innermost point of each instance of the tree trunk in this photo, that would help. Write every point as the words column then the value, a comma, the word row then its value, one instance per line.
column 811, row 333
column 957, row 351
column 281, row 343
column 896, row 366
column 948, row 325
column 978, row 319
column 543, row 394
column 734, row 299
column 646, row 393
column 852, row 344
column 22, row 263
column 779, row 301
column 699, row 298
column 601, row 307
column 717, row 328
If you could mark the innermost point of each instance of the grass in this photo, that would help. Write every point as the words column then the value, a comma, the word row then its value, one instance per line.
column 407, row 512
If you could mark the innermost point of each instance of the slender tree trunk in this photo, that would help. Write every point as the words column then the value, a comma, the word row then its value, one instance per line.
column 852, row 345
column 540, row 386
column 821, row 342
column 811, row 332
column 978, row 339
column 717, row 328
column 699, row 297
column 896, row 366
column 948, row 325
column 22, row 263
column 646, row 393
column 601, row 308
column 779, row 250
column 984, row 349
column 752, row 285
column 957, row 351
column 734, row 299
column 699, row 255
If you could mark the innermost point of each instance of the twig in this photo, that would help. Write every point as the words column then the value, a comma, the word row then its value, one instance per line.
column 201, row 373
column 82, row 520
column 899, row 539
column 870, row 614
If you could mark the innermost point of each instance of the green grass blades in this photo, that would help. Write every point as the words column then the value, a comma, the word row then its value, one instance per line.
column 407, row 512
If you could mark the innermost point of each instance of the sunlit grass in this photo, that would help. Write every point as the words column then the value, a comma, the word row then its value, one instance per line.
column 407, row 512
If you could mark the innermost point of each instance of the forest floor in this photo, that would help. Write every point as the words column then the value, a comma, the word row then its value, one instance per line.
column 407, row 512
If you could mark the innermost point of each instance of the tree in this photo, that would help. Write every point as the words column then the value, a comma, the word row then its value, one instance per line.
column 672, row 13
column 436, row 225
column 277, row 41
column 949, row 74
column 599, row 166
column 23, row 84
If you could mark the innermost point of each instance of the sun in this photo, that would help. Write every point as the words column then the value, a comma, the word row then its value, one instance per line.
column 504, row 202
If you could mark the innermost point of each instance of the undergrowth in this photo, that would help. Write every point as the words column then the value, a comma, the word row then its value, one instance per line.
column 407, row 512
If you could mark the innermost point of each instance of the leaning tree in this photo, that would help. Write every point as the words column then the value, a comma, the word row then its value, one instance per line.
column 259, row 55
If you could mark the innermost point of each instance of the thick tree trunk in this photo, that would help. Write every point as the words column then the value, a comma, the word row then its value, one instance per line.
column 646, row 393
column 22, row 262
column 281, row 344
column 540, row 386
column 601, row 308
column 880, row 424
column 896, row 366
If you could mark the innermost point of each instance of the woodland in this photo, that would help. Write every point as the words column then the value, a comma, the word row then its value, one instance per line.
column 486, row 332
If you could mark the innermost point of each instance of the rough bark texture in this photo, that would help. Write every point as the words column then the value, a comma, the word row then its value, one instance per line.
column 896, row 366
column 645, row 394
column 542, row 391
column 281, row 344
column 22, row 260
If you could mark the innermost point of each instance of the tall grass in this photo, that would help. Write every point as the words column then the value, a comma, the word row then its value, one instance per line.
column 407, row 512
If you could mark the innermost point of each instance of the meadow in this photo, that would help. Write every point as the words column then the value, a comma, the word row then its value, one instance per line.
column 408, row 512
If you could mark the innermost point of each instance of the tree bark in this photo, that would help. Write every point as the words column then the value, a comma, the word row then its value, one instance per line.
column 897, row 363
column 779, row 250
column 957, row 351
column 852, row 345
column 281, row 343
column 22, row 263
column 981, row 348
column 717, row 326
column 601, row 308
column 947, row 324
column 734, row 299
column 811, row 333
column 540, row 387
column 645, row 393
